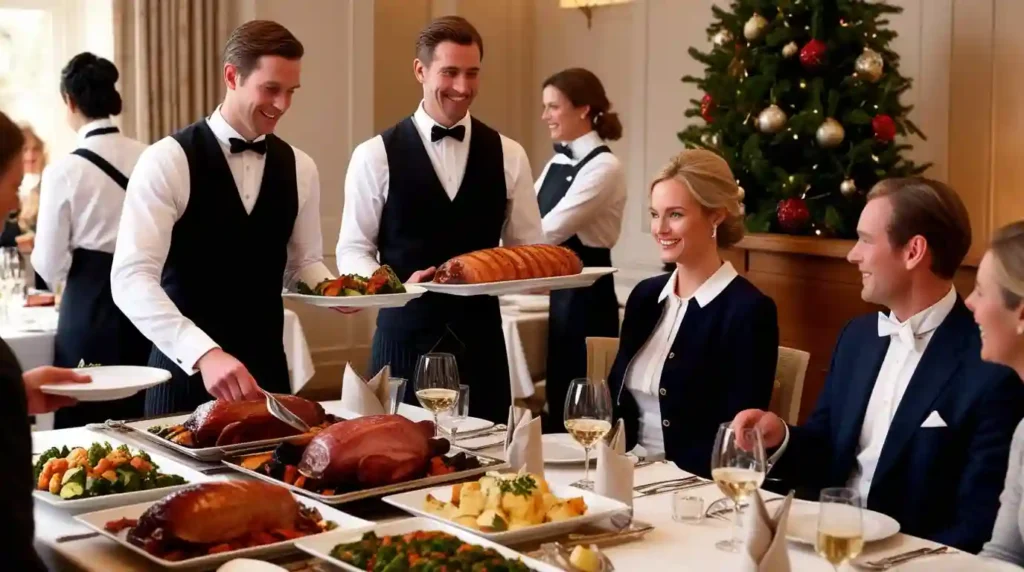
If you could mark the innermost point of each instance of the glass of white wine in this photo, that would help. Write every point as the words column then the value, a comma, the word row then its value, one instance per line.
column 738, row 468
column 840, row 526
column 588, row 416
column 437, row 384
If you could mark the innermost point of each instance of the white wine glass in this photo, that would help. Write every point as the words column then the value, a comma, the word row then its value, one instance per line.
column 840, row 526
column 458, row 413
column 437, row 383
column 588, row 417
column 738, row 468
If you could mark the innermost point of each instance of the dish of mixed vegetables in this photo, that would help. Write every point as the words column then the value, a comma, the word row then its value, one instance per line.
column 383, row 281
column 423, row 551
column 99, row 470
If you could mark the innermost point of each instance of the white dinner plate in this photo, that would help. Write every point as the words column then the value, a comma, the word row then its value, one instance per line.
column 955, row 563
column 249, row 565
column 562, row 449
column 598, row 508
column 110, row 382
column 369, row 301
column 98, row 520
column 585, row 278
column 802, row 525
column 321, row 545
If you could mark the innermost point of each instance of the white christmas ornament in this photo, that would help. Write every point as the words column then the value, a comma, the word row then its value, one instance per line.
column 754, row 28
column 722, row 38
column 771, row 120
column 790, row 50
column 848, row 188
column 869, row 65
column 830, row 133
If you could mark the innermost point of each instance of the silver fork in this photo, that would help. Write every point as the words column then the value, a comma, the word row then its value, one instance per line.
column 896, row 560
column 281, row 413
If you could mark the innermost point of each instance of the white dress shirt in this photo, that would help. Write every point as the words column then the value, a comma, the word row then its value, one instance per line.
column 158, row 194
column 366, row 191
column 80, row 205
column 592, row 207
column 898, row 367
column 643, row 375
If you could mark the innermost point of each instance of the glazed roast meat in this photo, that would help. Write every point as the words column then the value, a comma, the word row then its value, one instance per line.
column 218, row 423
column 371, row 451
column 509, row 263
column 213, row 513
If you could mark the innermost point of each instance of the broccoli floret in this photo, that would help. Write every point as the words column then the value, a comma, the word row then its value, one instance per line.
column 97, row 452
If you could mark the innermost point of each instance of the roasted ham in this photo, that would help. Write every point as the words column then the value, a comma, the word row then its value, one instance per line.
column 371, row 451
column 226, row 423
column 509, row 263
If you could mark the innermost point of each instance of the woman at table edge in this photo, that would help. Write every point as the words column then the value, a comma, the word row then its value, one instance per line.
column 581, row 194
column 20, row 397
column 700, row 344
column 998, row 306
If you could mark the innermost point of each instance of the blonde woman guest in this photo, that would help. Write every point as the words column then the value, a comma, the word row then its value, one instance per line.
column 20, row 225
column 998, row 306
column 700, row 344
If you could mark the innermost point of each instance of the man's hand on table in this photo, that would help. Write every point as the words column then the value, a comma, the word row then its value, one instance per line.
column 227, row 378
column 39, row 402
column 773, row 429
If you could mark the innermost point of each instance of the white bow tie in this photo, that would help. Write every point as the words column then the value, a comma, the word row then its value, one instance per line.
column 890, row 327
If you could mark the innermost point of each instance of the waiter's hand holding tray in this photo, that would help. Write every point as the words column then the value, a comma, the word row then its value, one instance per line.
column 513, row 270
column 383, row 289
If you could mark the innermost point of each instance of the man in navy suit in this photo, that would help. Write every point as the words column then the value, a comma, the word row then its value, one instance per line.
column 909, row 416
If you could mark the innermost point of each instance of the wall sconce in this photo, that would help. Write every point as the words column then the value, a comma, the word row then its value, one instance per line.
column 587, row 6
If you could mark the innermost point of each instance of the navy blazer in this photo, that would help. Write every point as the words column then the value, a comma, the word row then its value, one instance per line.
column 940, row 483
column 722, row 361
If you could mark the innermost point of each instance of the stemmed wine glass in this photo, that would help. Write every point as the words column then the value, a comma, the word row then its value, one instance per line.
column 738, row 468
column 840, row 527
column 437, row 383
column 588, row 417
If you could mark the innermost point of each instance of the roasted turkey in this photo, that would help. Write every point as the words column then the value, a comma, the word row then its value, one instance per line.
column 509, row 263
column 371, row 451
column 218, row 423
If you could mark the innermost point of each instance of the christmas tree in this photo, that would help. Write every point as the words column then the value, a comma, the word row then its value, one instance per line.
column 802, row 98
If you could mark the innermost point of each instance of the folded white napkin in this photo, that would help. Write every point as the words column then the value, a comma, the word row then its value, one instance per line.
column 765, row 549
column 524, row 450
column 614, row 477
column 365, row 397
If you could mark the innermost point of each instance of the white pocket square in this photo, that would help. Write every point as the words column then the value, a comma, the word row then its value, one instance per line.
column 933, row 420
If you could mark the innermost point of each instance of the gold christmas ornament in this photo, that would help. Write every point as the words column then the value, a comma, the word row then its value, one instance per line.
column 830, row 133
column 848, row 188
column 869, row 65
column 790, row 50
column 771, row 120
column 722, row 38
column 736, row 67
column 754, row 28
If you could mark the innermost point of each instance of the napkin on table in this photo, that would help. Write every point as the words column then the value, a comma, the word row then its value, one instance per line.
column 365, row 397
column 524, row 449
column 766, row 549
column 614, row 478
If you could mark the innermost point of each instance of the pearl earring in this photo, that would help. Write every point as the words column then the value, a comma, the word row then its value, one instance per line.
column 714, row 231
column 1020, row 330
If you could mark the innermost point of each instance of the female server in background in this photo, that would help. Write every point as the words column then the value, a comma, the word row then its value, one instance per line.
column 581, row 194
column 79, row 213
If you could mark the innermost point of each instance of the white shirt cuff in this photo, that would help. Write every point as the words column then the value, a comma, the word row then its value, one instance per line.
column 191, row 346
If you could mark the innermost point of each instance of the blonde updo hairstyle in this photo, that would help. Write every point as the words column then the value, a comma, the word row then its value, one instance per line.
column 708, row 178
column 1008, row 261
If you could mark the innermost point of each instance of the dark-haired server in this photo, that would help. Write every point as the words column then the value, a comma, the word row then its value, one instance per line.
column 79, row 213
column 582, row 195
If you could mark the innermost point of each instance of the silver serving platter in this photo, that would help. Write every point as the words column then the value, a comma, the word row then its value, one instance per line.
column 208, row 454
column 486, row 464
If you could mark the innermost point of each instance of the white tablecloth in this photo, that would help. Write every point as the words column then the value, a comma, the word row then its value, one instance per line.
column 526, row 345
column 671, row 546
column 30, row 333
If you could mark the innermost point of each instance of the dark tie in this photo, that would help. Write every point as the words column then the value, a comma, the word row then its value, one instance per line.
column 564, row 149
column 438, row 133
column 241, row 145
column 102, row 131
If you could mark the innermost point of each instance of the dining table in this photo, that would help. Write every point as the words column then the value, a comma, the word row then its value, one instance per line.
column 65, row 544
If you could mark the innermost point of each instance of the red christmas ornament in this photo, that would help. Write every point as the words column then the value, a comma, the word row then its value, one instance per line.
column 812, row 55
column 793, row 215
column 706, row 105
column 885, row 128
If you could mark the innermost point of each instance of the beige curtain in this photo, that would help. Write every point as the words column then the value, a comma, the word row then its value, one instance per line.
column 169, row 56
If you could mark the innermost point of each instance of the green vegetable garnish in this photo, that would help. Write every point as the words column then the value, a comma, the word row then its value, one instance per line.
column 522, row 486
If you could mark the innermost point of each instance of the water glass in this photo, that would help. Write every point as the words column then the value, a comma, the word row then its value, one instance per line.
column 686, row 508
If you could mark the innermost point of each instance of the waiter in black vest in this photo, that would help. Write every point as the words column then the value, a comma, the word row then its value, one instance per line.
column 438, row 184
column 582, row 194
column 218, row 216
column 79, row 211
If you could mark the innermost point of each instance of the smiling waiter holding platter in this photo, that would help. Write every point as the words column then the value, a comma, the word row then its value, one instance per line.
column 582, row 194
column 436, row 185
column 217, row 218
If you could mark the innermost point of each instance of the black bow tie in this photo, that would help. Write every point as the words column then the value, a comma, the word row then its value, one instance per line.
column 241, row 145
column 564, row 149
column 438, row 133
